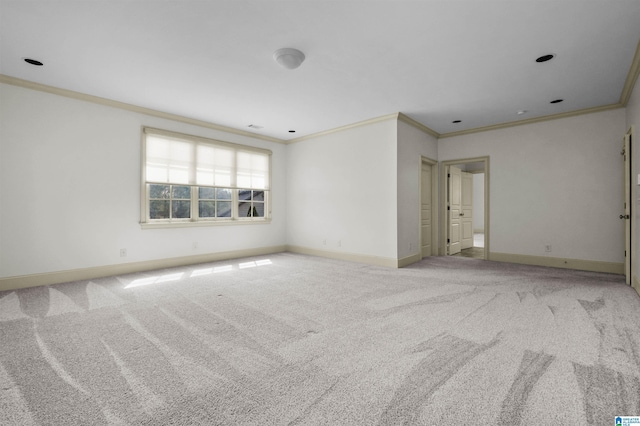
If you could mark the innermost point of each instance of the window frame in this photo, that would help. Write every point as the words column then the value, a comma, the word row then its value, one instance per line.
column 195, row 221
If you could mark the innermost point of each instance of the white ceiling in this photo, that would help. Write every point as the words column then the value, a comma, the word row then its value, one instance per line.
column 435, row 61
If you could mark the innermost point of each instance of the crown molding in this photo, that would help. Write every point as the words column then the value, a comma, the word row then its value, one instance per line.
column 396, row 115
column 632, row 76
column 410, row 121
column 342, row 128
column 532, row 120
column 129, row 107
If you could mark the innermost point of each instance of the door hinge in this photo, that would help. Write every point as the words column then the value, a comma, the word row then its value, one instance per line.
column 448, row 241
column 449, row 175
column 448, row 207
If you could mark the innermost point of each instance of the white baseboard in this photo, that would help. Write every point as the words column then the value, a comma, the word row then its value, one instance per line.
column 558, row 262
column 34, row 280
column 350, row 257
column 635, row 283
column 406, row 261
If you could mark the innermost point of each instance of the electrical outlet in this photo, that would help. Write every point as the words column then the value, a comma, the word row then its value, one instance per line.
column 123, row 252
column 547, row 248
column 324, row 242
column 410, row 246
column 195, row 245
column 339, row 243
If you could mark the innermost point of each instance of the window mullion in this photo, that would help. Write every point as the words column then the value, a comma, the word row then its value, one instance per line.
column 234, row 184
column 195, row 204
column 170, row 203
column 234, row 204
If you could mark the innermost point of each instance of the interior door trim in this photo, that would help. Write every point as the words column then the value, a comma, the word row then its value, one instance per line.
column 630, row 237
column 434, row 205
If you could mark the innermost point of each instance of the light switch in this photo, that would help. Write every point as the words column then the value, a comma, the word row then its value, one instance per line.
column 639, row 179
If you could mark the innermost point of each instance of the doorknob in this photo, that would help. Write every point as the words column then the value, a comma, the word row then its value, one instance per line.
column 461, row 213
column 623, row 216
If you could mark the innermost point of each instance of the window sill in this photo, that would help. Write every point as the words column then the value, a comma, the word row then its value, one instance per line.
column 204, row 223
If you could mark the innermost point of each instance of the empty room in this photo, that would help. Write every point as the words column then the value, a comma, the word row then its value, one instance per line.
column 359, row 212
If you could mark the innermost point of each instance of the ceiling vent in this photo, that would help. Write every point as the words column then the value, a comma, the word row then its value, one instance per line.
column 33, row 62
column 545, row 58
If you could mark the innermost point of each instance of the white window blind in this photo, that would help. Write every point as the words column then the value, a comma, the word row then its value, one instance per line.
column 252, row 171
column 194, row 161
column 214, row 165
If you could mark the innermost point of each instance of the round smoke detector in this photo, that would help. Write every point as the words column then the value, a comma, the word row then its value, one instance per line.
column 288, row 57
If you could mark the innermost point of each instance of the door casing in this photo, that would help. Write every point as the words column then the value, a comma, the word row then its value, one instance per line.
column 627, row 214
column 466, row 228
column 434, row 203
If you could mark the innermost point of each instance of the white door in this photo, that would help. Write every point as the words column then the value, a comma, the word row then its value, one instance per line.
column 626, row 215
column 467, row 211
column 454, row 209
column 425, row 208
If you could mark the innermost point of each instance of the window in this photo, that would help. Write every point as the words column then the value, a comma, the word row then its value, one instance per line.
column 192, row 181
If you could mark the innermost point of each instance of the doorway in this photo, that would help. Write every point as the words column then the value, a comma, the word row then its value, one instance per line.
column 465, row 208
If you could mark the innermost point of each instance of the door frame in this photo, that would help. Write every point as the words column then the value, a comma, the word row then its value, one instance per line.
column 434, row 205
column 629, row 233
column 466, row 176
column 444, row 224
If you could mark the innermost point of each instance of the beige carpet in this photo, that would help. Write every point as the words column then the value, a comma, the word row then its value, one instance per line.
column 297, row 340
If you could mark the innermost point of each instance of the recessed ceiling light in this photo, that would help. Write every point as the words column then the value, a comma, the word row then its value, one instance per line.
column 33, row 62
column 556, row 101
column 522, row 111
column 456, row 121
column 292, row 131
column 545, row 58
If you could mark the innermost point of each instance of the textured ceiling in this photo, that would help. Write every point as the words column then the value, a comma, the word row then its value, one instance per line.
column 434, row 61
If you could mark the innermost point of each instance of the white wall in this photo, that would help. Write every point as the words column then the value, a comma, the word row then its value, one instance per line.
column 412, row 144
column 633, row 119
column 478, row 202
column 341, row 187
column 70, row 192
column 70, row 188
column 557, row 182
